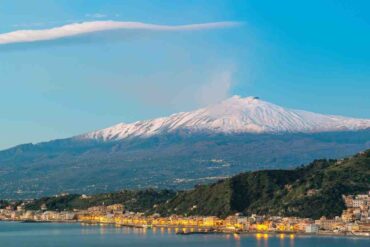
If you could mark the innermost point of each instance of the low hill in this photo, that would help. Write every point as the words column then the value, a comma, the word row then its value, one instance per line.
column 175, row 161
column 134, row 200
column 310, row 191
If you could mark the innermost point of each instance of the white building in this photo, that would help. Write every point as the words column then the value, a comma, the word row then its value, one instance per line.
column 312, row 228
column 358, row 203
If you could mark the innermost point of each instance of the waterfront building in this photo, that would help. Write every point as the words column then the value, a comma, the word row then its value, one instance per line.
column 354, row 219
column 212, row 221
column 312, row 228
column 115, row 208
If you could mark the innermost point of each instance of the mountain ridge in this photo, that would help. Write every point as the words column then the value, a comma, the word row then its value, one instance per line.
column 176, row 159
column 233, row 115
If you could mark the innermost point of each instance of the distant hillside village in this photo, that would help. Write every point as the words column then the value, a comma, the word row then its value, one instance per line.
column 355, row 219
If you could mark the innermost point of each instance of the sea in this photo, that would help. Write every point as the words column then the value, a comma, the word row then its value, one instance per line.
column 19, row 234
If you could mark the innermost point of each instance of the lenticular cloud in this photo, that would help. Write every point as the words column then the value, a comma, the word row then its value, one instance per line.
column 74, row 29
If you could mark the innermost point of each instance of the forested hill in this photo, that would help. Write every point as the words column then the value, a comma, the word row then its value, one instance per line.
column 310, row 191
column 134, row 200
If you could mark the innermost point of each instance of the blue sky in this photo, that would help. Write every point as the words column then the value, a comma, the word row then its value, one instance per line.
column 311, row 55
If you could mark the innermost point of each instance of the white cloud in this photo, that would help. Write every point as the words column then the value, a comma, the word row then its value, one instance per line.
column 74, row 29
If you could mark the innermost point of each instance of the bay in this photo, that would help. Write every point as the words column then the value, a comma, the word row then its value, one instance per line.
column 59, row 235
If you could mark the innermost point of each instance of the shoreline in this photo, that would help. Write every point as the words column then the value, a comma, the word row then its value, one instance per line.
column 208, row 232
column 278, row 234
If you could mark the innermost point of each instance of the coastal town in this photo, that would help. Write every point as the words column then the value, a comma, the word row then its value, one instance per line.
column 354, row 221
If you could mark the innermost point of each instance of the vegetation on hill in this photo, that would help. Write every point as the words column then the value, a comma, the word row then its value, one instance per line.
column 133, row 200
column 172, row 161
column 3, row 203
column 311, row 191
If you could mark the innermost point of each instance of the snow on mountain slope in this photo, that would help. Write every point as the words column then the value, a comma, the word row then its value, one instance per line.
column 234, row 115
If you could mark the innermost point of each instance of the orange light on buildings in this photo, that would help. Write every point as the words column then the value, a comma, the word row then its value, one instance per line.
column 281, row 227
column 262, row 227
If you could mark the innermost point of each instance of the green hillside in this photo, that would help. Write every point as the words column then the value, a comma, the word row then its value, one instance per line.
column 310, row 191
column 177, row 160
column 134, row 200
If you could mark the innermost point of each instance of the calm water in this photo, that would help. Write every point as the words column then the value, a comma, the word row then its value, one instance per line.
column 44, row 235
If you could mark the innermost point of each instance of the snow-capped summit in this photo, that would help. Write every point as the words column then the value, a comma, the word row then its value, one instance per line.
column 234, row 115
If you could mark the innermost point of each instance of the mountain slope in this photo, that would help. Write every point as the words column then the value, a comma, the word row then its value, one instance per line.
column 311, row 191
column 180, row 151
column 234, row 115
